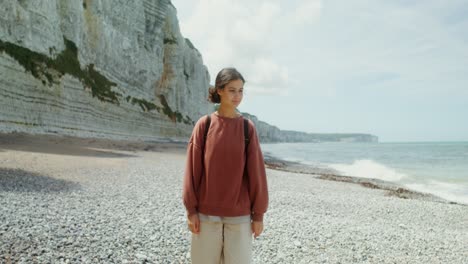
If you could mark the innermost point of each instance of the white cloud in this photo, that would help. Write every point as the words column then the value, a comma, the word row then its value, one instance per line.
column 268, row 77
column 307, row 12
column 241, row 34
column 256, row 25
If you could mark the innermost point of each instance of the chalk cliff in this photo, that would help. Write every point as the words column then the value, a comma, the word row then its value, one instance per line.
column 98, row 68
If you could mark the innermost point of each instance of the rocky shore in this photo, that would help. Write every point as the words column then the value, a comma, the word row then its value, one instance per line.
column 69, row 200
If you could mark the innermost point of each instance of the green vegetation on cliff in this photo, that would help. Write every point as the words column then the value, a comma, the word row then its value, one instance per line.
column 144, row 105
column 175, row 116
column 50, row 70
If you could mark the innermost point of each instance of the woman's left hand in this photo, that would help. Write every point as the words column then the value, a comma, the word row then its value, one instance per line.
column 257, row 228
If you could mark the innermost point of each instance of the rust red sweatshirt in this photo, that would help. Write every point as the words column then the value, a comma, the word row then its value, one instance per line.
column 214, row 182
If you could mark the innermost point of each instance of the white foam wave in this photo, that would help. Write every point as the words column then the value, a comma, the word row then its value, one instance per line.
column 449, row 191
column 369, row 169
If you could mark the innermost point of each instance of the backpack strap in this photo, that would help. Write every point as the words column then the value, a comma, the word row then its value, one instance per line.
column 246, row 134
column 207, row 126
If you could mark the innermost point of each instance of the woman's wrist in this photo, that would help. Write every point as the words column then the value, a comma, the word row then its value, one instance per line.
column 257, row 217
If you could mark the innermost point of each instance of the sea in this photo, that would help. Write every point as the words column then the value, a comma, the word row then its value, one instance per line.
column 438, row 168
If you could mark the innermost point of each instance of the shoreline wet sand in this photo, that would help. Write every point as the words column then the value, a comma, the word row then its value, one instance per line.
column 392, row 189
column 64, row 199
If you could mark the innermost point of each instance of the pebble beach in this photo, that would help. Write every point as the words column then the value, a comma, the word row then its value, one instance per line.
column 69, row 200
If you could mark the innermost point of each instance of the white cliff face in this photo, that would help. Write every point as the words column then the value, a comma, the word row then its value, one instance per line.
column 98, row 68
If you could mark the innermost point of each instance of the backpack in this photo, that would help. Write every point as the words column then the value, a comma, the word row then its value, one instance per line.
column 246, row 131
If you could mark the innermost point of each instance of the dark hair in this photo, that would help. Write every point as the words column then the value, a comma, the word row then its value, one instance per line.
column 225, row 76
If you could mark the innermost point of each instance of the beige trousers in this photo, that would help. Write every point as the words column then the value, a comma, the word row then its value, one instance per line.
column 222, row 243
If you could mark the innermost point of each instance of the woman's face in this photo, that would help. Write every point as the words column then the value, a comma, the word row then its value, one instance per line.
column 232, row 93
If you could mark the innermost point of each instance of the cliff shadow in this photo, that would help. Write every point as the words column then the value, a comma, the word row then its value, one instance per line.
column 18, row 180
column 60, row 145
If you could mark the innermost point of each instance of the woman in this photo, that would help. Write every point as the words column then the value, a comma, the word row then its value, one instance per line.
column 225, row 188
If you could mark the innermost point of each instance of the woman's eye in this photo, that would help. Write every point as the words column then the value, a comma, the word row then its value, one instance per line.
column 233, row 91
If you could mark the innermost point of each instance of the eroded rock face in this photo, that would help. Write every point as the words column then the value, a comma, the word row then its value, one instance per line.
column 98, row 68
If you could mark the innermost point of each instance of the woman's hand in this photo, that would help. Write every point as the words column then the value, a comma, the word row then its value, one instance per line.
column 194, row 223
column 257, row 228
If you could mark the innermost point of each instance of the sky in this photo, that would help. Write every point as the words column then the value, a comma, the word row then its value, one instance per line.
column 397, row 69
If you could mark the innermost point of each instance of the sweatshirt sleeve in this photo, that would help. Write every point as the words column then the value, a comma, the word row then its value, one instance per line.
column 258, row 189
column 193, row 169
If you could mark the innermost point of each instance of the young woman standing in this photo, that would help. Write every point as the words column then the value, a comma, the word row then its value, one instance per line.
column 225, row 188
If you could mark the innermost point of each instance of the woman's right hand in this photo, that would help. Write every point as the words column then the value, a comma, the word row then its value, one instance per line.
column 194, row 223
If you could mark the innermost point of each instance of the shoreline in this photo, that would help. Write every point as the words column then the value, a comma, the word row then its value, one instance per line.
column 392, row 189
column 70, row 145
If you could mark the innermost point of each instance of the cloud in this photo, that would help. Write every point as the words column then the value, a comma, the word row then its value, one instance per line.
column 242, row 34
column 307, row 12
column 267, row 77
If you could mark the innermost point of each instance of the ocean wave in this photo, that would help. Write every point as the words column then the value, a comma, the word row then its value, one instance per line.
column 448, row 191
column 369, row 169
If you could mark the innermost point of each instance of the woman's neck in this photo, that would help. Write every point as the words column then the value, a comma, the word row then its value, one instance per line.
column 227, row 111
